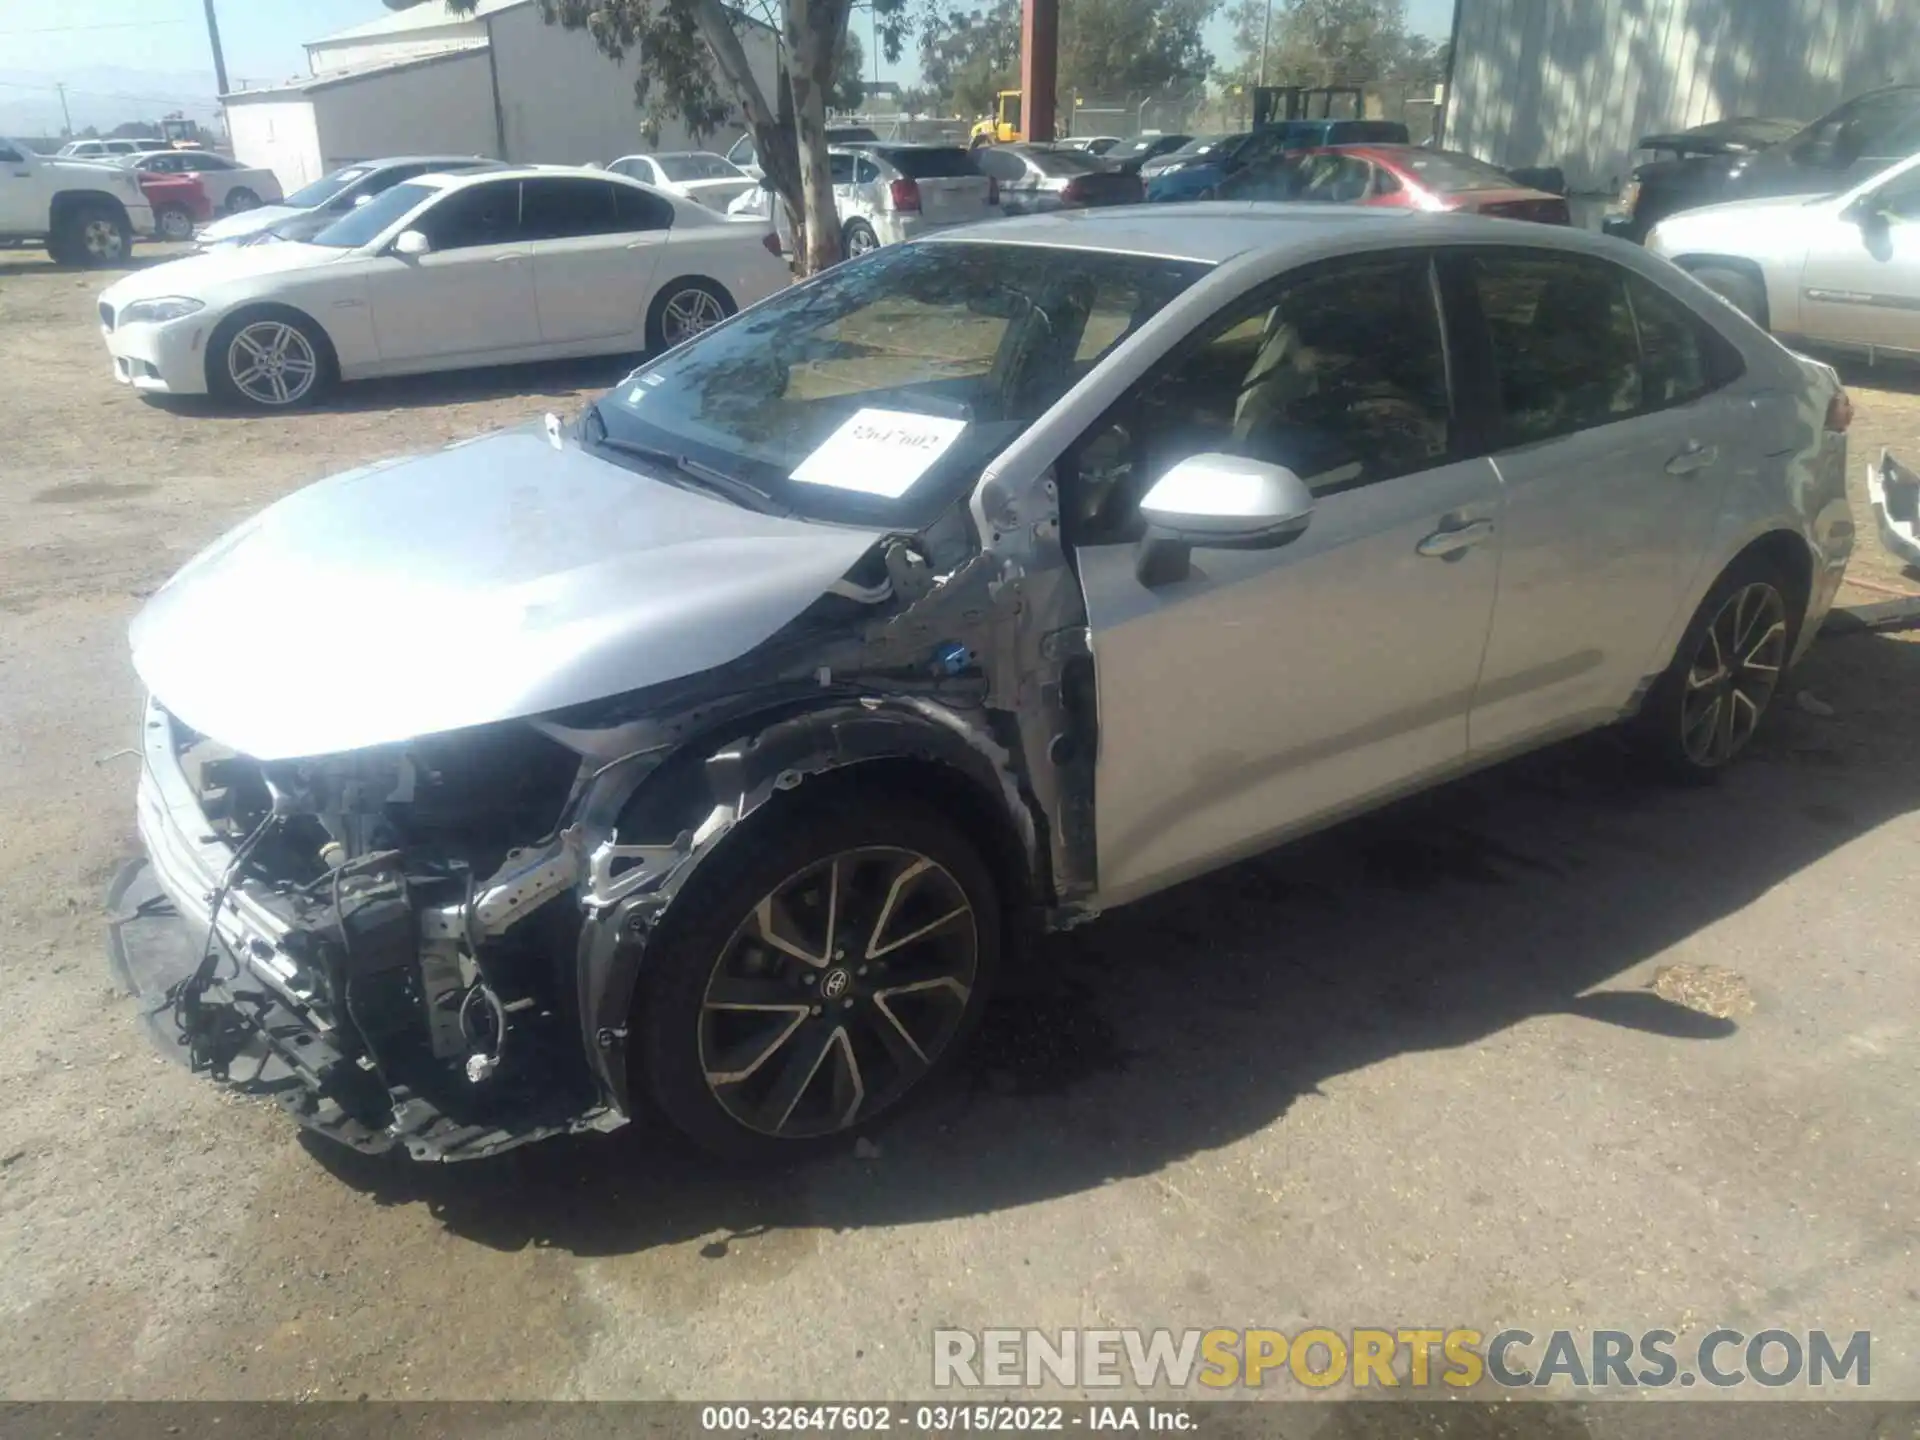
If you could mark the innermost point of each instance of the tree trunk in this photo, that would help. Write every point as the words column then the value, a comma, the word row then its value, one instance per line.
column 771, row 139
column 816, row 30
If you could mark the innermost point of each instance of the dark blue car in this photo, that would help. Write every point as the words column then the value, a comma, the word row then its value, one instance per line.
column 1190, row 173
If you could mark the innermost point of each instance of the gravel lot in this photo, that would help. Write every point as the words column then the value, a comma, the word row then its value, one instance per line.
column 1434, row 1068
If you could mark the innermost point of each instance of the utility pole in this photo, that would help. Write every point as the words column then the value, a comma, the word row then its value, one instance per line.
column 65, row 116
column 213, row 39
column 1266, row 39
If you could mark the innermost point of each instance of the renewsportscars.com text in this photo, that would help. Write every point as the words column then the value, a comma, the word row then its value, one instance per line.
column 1459, row 1359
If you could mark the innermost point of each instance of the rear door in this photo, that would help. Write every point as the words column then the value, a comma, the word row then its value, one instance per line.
column 1862, row 281
column 593, row 258
column 472, row 295
column 1615, row 437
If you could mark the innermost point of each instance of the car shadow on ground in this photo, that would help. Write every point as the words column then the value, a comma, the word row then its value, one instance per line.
column 562, row 380
column 1202, row 1015
column 1900, row 375
column 34, row 261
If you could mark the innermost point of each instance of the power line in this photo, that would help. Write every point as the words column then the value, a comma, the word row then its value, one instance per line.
column 180, row 100
column 109, row 25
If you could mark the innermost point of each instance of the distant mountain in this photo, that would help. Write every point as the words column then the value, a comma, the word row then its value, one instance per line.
column 102, row 96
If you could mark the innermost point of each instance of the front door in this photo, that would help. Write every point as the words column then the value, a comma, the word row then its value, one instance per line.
column 1270, row 689
column 1862, row 281
column 23, row 199
column 471, row 295
column 594, row 246
column 1615, row 446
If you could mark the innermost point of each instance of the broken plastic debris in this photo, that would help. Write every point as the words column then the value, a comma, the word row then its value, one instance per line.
column 1813, row 704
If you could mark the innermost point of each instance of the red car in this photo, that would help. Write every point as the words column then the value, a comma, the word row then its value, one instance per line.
column 1400, row 177
column 180, row 202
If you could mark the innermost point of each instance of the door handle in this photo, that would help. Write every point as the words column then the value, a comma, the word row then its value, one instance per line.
column 1694, row 458
column 1447, row 544
column 507, row 259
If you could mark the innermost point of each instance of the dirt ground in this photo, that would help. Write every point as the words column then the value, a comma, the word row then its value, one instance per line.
column 1547, row 1048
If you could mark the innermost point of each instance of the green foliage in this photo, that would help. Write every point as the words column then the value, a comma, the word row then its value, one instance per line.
column 1331, row 42
column 849, row 86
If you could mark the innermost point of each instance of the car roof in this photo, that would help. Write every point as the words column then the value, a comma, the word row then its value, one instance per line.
column 454, row 179
column 1214, row 231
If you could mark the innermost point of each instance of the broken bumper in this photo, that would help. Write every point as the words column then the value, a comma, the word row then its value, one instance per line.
column 1895, row 493
column 259, row 1025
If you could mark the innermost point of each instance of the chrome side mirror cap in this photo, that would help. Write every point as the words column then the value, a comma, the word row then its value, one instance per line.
column 412, row 244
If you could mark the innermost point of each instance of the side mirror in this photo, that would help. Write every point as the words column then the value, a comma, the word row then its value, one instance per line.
column 1222, row 502
column 412, row 244
column 1866, row 213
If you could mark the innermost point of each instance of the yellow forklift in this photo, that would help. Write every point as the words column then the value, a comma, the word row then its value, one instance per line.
column 1004, row 126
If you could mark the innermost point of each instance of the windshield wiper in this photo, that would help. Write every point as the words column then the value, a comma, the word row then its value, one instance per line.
column 684, row 467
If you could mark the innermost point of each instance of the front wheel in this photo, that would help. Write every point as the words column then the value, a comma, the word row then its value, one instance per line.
column 1703, row 711
column 91, row 235
column 273, row 360
column 819, row 976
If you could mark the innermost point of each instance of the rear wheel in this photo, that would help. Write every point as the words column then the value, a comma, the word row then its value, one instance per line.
column 240, row 198
column 820, row 975
column 1738, row 289
column 91, row 234
column 684, row 308
column 858, row 238
column 1703, row 711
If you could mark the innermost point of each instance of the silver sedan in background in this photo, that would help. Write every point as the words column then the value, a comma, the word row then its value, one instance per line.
column 712, row 753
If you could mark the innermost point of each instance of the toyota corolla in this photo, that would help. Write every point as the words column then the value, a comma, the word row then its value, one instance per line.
column 714, row 750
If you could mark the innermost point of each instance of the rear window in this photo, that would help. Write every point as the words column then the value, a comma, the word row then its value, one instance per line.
column 933, row 162
column 1449, row 172
column 849, row 134
column 1066, row 162
column 1362, row 132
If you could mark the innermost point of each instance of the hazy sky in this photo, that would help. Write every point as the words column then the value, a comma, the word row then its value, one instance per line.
column 262, row 38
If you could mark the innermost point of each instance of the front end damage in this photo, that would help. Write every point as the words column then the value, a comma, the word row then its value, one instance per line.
column 435, row 944
column 1895, row 493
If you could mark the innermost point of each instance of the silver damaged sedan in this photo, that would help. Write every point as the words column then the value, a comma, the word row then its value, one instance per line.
column 714, row 749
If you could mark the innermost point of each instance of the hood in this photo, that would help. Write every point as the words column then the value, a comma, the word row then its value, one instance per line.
column 196, row 275
column 1750, row 227
column 247, row 222
column 497, row 579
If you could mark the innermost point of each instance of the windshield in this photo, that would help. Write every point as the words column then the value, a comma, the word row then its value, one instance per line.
column 698, row 166
column 1203, row 145
column 1145, row 145
column 325, row 188
column 360, row 225
column 875, row 393
column 1449, row 172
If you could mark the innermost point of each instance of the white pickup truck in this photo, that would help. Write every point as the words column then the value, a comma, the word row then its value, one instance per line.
column 87, row 212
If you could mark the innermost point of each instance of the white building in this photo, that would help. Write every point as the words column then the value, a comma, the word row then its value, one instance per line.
column 1576, row 83
column 499, row 82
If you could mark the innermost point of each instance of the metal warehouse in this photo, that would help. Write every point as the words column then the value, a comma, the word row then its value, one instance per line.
column 1575, row 83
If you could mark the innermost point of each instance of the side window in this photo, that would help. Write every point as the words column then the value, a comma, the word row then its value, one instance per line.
column 1900, row 198
column 1385, row 182
column 1566, row 355
column 840, row 169
column 1338, row 373
column 1677, row 353
column 743, row 154
column 637, row 210
column 565, row 209
column 479, row 215
column 865, row 172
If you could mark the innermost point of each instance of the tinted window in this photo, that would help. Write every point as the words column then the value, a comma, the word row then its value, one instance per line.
column 637, row 210
column 1066, row 162
column 1365, row 132
column 324, row 189
column 1900, row 197
column 987, row 336
column 478, row 215
column 743, row 152
column 1579, row 343
column 1339, row 374
column 164, row 164
column 1000, row 164
column 849, row 134
column 203, row 161
column 559, row 209
column 865, row 172
column 634, row 170
column 935, row 162
column 840, row 168
column 1333, row 179
column 357, row 227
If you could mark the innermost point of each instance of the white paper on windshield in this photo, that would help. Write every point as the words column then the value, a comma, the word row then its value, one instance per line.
column 879, row 452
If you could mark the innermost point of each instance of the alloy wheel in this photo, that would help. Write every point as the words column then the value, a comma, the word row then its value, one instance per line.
column 861, row 241
column 102, row 240
column 272, row 363
column 1733, row 676
column 688, row 312
column 175, row 225
column 837, row 992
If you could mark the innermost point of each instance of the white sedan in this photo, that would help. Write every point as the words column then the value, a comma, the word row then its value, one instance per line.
column 713, row 180
column 439, row 273
column 231, row 186
column 1837, row 270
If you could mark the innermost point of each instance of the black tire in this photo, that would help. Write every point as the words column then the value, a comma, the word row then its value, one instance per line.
column 1738, row 289
column 857, row 238
column 711, row 938
column 690, row 293
column 241, row 198
column 174, row 223
column 91, row 234
column 1668, row 731
column 222, row 381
